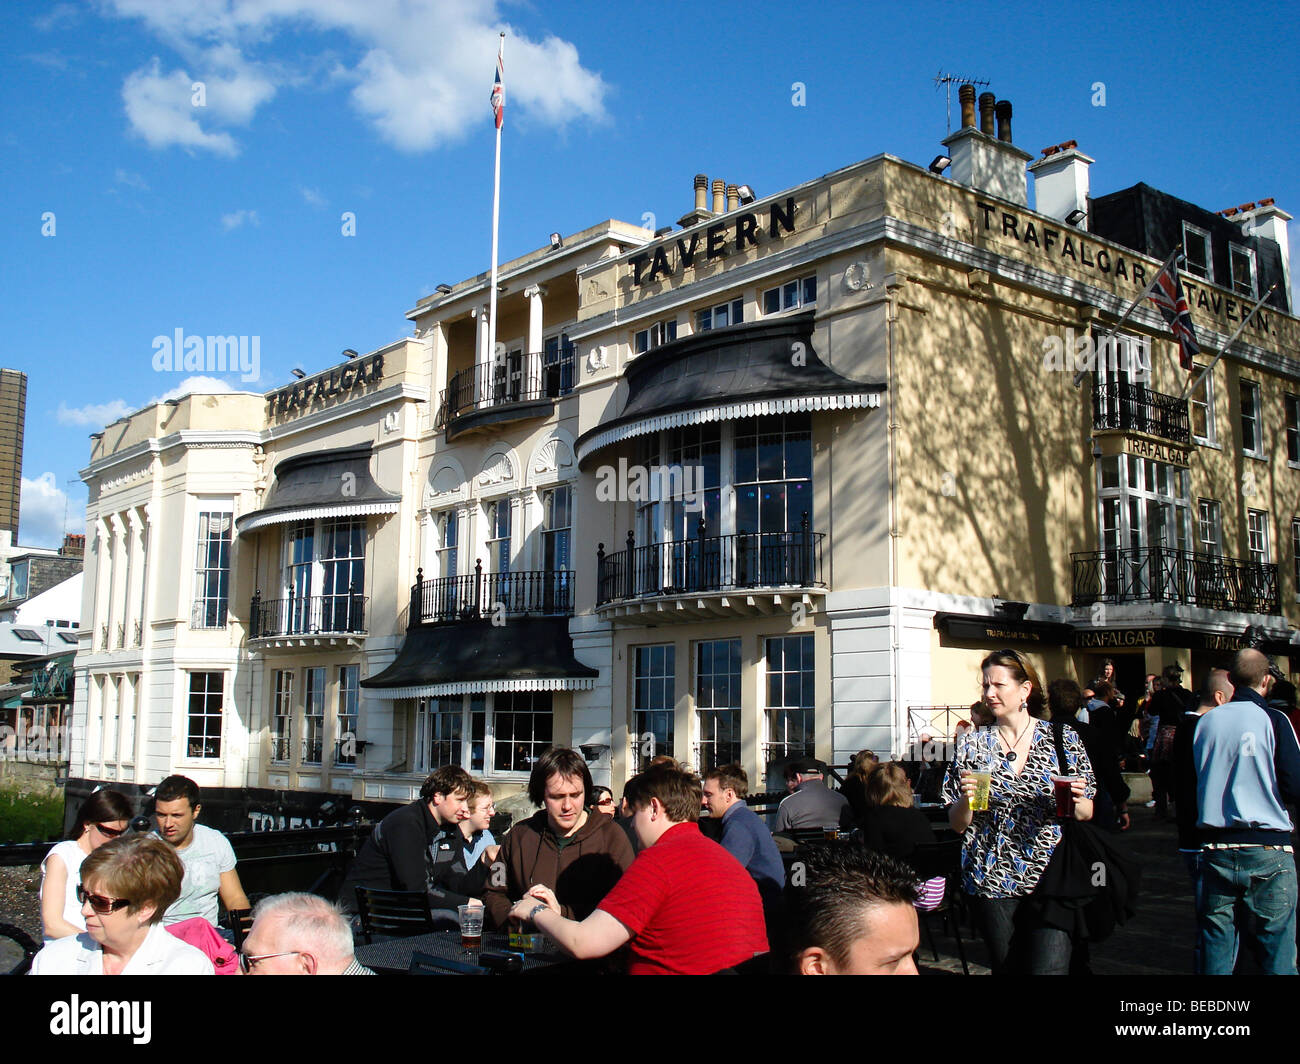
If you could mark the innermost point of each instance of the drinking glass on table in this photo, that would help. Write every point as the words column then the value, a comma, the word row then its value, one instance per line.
column 471, row 927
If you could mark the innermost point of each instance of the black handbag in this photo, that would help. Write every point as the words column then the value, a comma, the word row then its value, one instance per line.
column 1089, row 886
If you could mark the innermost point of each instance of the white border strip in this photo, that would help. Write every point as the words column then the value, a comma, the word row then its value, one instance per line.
column 729, row 412
column 306, row 513
column 479, row 687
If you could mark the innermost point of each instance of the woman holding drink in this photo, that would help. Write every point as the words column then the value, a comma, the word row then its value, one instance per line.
column 1003, row 800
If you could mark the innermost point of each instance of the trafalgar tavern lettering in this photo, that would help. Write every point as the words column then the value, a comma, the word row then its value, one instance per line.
column 714, row 245
column 326, row 385
column 1072, row 244
column 1123, row 637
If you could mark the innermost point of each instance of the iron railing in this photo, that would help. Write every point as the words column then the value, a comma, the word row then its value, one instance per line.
column 517, row 378
column 1122, row 405
column 1163, row 574
column 710, row 563
column 315, row 615
column 482, row 595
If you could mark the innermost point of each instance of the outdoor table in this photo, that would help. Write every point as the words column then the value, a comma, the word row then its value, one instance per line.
column 393, row 956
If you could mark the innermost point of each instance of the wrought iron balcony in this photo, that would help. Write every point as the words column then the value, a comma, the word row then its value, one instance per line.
column 502, row 390
column 745, row 560
column 1132, row 407
column 480, row 595
column 1162, row 574
column 343, row 614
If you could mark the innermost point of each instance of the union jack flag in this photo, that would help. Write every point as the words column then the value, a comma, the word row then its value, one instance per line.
column 499, row 92
column 1167, row 295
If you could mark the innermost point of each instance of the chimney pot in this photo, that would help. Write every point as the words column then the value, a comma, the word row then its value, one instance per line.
column 987, row 100
column 733, row 197
column 1267, row 201
column 966, row 94
column 701, row 192
column 719, row 196
column 1004, row 120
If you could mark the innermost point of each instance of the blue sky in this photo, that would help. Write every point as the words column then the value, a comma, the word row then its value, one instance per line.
column 226, row 218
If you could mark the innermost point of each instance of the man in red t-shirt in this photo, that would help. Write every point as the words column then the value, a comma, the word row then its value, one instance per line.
column 686, row 906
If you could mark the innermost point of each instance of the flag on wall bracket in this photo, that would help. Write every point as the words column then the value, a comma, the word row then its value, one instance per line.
column 1167, row 295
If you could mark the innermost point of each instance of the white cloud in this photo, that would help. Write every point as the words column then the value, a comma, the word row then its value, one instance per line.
column 313, row 197
column 58, row 16
column 422, row 79
column 235, row 219
column 194, row 385
column 43, row 508
column 131, row 180
column 94, row 415
column 159, row 109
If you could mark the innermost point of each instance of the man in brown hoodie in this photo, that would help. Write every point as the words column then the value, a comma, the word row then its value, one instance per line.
column 576, row 853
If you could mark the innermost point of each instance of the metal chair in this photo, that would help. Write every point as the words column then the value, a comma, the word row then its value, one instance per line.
column 240, row 922
column 929, row 861
column 393, row 913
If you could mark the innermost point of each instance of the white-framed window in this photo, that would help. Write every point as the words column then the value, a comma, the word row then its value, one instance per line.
column 448, row 538
column 1198, row 251
column 717, row 702
column 18, row 588
column 508, row 732
column 130, row 695
column 656, row 335
column 1241, row 263
column 313, row 715
column 1252, row 433
column 790, row 696
column 206, row 711
column 1293, row 430
column 558, row 362
column 325, row 576
column 1202, row 407
column 1257, row 536
column 719, row 317
column 212, row 570
column 282, row 717
column 1209, row 527
column 654, row 698
column 345, row 748
column 1143, row 505
column 498, row 536
column 791, row 296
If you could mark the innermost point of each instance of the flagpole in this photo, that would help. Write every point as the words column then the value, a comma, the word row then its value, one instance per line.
column 1173, row 257
column 496, row 218
column 1231, row 340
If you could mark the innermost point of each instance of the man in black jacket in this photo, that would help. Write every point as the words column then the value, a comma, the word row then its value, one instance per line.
column 420, row 848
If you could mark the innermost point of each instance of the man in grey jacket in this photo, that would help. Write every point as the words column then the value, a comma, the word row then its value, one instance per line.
column 1247, row 769
column 813, row 804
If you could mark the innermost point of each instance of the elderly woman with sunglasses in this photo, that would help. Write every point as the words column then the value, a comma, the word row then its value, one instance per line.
column 102, row 817
column 126, row 886
column 1006, row 848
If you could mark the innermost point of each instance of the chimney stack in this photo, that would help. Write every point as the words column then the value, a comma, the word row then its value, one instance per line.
column 719, row 196
column 966, row 94
column 985, row 160
column 1003, row 111
column 1061, row 181
column 701, row 192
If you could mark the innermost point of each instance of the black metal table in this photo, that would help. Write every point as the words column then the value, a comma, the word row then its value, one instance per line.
column 393, row 956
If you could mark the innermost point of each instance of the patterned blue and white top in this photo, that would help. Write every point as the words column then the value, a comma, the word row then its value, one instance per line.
column 1006, row 849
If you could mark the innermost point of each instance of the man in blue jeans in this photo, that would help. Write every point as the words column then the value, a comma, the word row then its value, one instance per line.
column 1247, row 767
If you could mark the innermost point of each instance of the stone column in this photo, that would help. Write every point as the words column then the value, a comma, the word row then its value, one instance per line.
column 533, row 349
column 131, row 611
column 117, row 593
column 482, row 357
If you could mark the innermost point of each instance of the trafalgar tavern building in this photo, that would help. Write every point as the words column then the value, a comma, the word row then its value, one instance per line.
column 767, row 483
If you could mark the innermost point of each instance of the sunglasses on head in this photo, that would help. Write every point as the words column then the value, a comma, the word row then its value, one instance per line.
column 101, row 904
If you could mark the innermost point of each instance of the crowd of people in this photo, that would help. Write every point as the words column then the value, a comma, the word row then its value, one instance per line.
column 683, row 877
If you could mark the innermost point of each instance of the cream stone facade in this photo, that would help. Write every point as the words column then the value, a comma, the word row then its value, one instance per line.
column 766, row 485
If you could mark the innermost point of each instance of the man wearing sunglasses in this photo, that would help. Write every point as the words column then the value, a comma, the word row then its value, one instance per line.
column 208, row 857
column 299, row 934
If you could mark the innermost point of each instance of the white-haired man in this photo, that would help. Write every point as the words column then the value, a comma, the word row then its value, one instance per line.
column 299, row 934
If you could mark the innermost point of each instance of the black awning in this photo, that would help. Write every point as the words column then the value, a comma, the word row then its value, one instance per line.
column 527, row 654
column 722, row 374
column 335, row 483
column 1000, row 630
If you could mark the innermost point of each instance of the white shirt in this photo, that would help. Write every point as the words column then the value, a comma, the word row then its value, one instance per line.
column 71, row 855
column 161, row 953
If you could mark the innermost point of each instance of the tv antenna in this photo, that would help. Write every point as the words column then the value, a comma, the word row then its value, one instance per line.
column 947, row 81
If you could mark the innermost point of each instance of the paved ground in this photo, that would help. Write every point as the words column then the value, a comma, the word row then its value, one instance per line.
column 1157, row 941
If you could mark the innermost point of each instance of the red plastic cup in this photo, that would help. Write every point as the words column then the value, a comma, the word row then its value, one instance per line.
column 1062, row 790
